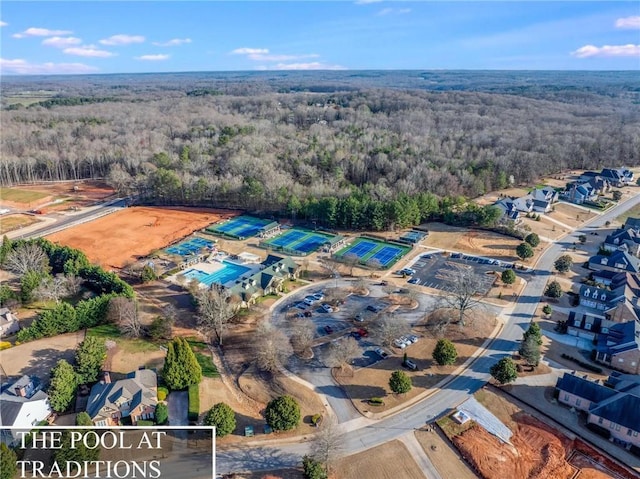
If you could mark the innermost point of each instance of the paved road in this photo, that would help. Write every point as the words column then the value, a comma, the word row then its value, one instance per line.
column 376, row 433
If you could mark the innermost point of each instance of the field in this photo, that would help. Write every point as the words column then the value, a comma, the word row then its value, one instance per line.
column 536, row 450
column 632, row 213
column 125, row 236
column 486, row 243
column 14, row 222
column 56, row 196
column 391, row 460
column 570, row 215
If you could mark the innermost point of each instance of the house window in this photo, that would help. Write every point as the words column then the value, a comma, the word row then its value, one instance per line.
column 611, row 425
column 605, row 330
column 595, row 295
column 603, row 297
column 587, row 326
column 620, row 360
column 586, row 292
column 617, row 427
column 633, row 363
column 566, row 397
column 629, row 431
column 600, row 420
column 635, row 433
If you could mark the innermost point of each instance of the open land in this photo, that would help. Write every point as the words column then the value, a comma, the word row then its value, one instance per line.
column 14, row 222
column 66, row 195
column 443, row 456
column 123, row 237
column 536, row 449
column 388, row 461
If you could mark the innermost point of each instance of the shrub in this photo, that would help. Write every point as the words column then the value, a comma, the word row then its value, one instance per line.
column 312, row 468
column 4, row 345
column 504, row 371
column 283, row 413
column 533, row 239
column 162, row 393
column 553, row 290
column 376, row 402
column 445, row 352
column 315, row 419
column 399, row 382
column 563, row 263
column 194, row 402
column 222, row 417
column 162, row 413
column 524, row 251
column 508, row 276
column 83, row 419
column 547, row 309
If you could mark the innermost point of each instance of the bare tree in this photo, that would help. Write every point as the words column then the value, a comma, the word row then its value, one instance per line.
column 386, row 328
column 302, row 334
column 328, row 443
column 351, row 260
column 342, row 352
column 272, row 347
column 465, row 285
column 52, row 289
column 124, row 313
column 73, row 283
column 216, row 309
column 27, row 257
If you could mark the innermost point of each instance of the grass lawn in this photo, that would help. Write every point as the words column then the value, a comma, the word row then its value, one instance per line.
column 14, row 222
column 209, row 369
column 110, row 331
column 632, row 213
column 451, row 428
column 21, row 196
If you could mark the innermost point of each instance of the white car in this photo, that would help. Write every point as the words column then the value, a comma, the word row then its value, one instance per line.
column 318, row 296
column 309, row 301
column 326, row 308
column 399, row 343
column 413, row 338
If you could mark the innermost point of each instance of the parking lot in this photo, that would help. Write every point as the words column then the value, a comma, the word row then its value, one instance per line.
column 436, row 270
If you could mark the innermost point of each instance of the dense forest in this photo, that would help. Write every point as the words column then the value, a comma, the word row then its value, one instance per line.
column 288, row 142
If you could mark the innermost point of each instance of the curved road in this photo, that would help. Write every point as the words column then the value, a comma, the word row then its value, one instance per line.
column 364, row 434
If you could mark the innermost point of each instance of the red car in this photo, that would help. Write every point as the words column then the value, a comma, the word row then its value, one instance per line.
column 362, row 332
column 328, row 329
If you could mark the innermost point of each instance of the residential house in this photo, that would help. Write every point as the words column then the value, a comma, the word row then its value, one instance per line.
column 546, row 194
column 632, row 223
column 620, row 261
column 600, row 185
column 22, row 404
column 619, row 347
column 269, row 280
column 624, row 239
column 128, row 400
column 579, row 193
column 8, row 322
column 524, row 204
column 509, row 210
column 614, row 407
column 618, row 176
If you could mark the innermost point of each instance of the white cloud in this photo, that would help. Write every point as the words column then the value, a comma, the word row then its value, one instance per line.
column 61, row 42
column 306, row 66
column 366, row 2
column 41, row 32
column 88, row 51
column 393, row 11
column 280, row 58
column 628, row 23
column 153, row 58
column 23, row 67
column 3, row 24
column 122, row 39
column 173, row 43
column 250, row 51
column 587, row 51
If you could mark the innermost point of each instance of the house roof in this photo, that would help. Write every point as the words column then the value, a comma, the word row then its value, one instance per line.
column 620, row 338
column 584, row 388
column 137, row 389
column 618, row 259
column 632, row 223
column 275, row 269
column 623, row 409
column 12, row 402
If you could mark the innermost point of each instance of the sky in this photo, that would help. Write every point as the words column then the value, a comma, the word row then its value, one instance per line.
column 53, row 37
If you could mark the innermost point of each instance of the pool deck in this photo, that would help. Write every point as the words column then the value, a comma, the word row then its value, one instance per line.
column 212, row 267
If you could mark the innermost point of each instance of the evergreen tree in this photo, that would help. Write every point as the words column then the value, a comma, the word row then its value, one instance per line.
column 553, row 290
column 445, row 352
column 524, row 251
column 504, row 371
column 162, row 413
column 62, row 387
column 563, row 263
column 535, row 332
column 508, row 276
column 8, row 462
column 181, row 368
column 533, row 239
column 282, row 413
column 83, row 419
column 399, row 382
column 530, row 350
column 223, row 418
column 90, row 355
column 5, row 248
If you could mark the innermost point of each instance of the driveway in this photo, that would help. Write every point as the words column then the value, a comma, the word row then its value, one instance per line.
column 178, row 408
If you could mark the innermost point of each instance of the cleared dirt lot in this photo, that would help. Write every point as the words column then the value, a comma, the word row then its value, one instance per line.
column 388, row 461
column 443, row 456
column 123, row 237
column 536, row 449
column 570, row 215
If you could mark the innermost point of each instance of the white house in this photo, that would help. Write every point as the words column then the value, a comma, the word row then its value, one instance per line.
column 22, row 404
column 8, row 323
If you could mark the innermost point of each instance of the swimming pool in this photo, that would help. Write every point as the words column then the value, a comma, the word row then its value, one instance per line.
column 228, row 272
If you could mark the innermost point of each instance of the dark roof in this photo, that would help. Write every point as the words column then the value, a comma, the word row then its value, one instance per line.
column 12, row 403
column 626, row 261
column 584, row 388
column 272, row 259
column 621, row 337
column 632, row 223
column 624, row 409
column 9, row 412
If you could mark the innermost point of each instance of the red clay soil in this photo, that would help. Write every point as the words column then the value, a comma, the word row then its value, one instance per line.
column 536, row 452
column 75, row 193
column 125, row 236
column 589, row 469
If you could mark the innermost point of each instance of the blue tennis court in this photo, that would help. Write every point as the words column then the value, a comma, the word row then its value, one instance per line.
column 373, row 253
column 189, row 247
column 241, row 227
column 298, row 241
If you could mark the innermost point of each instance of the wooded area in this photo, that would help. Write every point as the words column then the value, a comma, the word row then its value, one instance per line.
column 312, row 145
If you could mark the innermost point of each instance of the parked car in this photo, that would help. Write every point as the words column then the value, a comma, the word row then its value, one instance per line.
column 414, row 281
column 410, row 365
column 328, row 329
column 399, row 343
column 376, row 308
column 426, row 256
column 309, row 301
column 326, row 308
column 299, row 315
column 381, row 352
column 301, row 306
column 355, row 335
column 362, row 332
column 359, row 317
column 413, row 338
column 383, row 283
column 307, row 314
column 318, row 296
